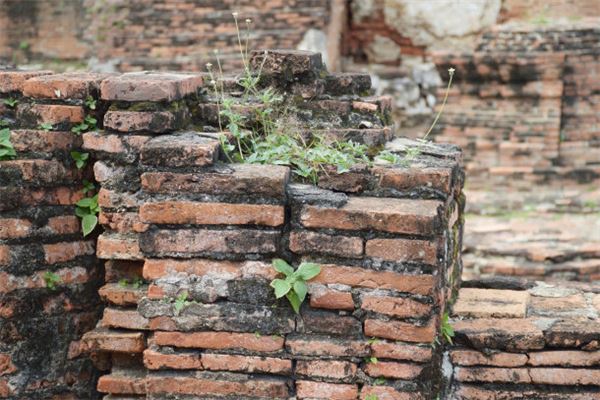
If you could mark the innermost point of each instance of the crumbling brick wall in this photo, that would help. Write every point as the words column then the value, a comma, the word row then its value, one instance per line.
column 49, row 275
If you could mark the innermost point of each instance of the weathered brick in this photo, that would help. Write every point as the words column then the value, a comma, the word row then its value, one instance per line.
column 6, row 365
column 70, row 85
column 113, row 246
column 397, row 330
column 144, row 121
column 121, row 295
column 360, row 277
column 220, row 340
column 63, row 224
column 203, row 384
column 398, row 351
column 387, row 393
column 339, row 371
column 564, row 376
column 13, row 81
column 67, row 251
column 188, row 242
column 266, row 365
column 122, row 222
column 331, row 323
column 322, row 297
column 491, row 303
column 43, row 141
column 150, row 86
column 187, row 212
column 14, row 228
column 42, row 172
column 126, row 319
column 158, row 268
column 483, row 374
column 393, row 370
column 323, row 346
column 473, row 357
column 286, row 63
column 99, row 141
column 329, row 391
column 395, row 306
column 403, row 250
column 418, row 217
column 53, row 114
column 243, row 179
column 502, row 334
column 413, row 178
column 121, row 384
column 304, row 242
column 154, row 360
column 564, row 358
column 180, row 150
column 114, row 341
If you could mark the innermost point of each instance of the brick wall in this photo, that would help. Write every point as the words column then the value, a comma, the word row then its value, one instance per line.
column 524, row 106
column 49, row 275
column 176, row 219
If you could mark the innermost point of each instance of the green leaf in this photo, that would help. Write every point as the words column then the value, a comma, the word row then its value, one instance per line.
column 282, row 266
column 88, row 223
column 301, row 289
column 281, row 287
column 308, row 271
column 86, row 202
column 294, row 301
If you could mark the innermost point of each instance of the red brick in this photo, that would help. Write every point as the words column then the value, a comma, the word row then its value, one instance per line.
column 418, row 217
column 199, row 386
column 6, row 389
column 360, row 277
column 387, row 393
column 413, row 178
column 156, row 360
column 473, row 357
column 150, row 86
column 112, row 143
column 241, row 179
column 114, row 341
column 483, row 374
column 121, row 384
column 13, row 81
column 503, row 334
column 565, row 358
column 44, row 171
column 402, row 250
column 342, row 371
column 64, row 224
column 399, row 351
column 158, row 268
column 395, row 306
column 6, row 365
column 70, row 85
column 225, row 362
column 187, row 212
column 126, row 319
column 181, row 150
column 397, row 330
column 564, row 376
column 111, row 199
column 122, row 296
column 142, row 121
column 304, row 242
column 325, row 391
column 14, row 228
column 485, row 303
column 220, row 340
column 50, row 113
column 192, row 241
column 118, row 247
column 4, row 255
column 331, row 299
column 122, row 222
column 66, row 251
column 393, row 370
column 43, row 141
column 323, row 347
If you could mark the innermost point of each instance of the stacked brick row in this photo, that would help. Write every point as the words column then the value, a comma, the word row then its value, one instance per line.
column 536, row 341
column 189, row 242
column 524, row 106
column 49, row 275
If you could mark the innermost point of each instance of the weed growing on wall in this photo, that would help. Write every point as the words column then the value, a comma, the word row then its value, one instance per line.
column 51, row 279
column 87, row 209
column 80, row 159
column 7, row 151
column 293, row 287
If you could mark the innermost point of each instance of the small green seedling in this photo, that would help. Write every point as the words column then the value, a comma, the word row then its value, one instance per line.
column 7, row 151
column 80, row 159
column 389, row 157
column 10, row 102
column 51, row 280
column 88, row 186
column 123, row 282
column 46, row 126
column 371, row 397
column 293, row 287
column 371, row 360
column 90, row 103
column 446, row 329
column 180, row 303
column 87, row 209
column 88, row 123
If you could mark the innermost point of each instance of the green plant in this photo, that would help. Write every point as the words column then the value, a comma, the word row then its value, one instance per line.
column 7, row 151
column 180, row 303
column 90, row 103
column 379, row 381
column 4, row 123
column 371, row 360
column 88, row 187
column 80, row 159
column 293, row 287
column 135, row 283
column 87, row 209
column 439, row 113
column 446, row 329
column 51, row 280
column 371, row 397
column 88, row 123
column 11, row 102
column 389, row 157
column 45, row 126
